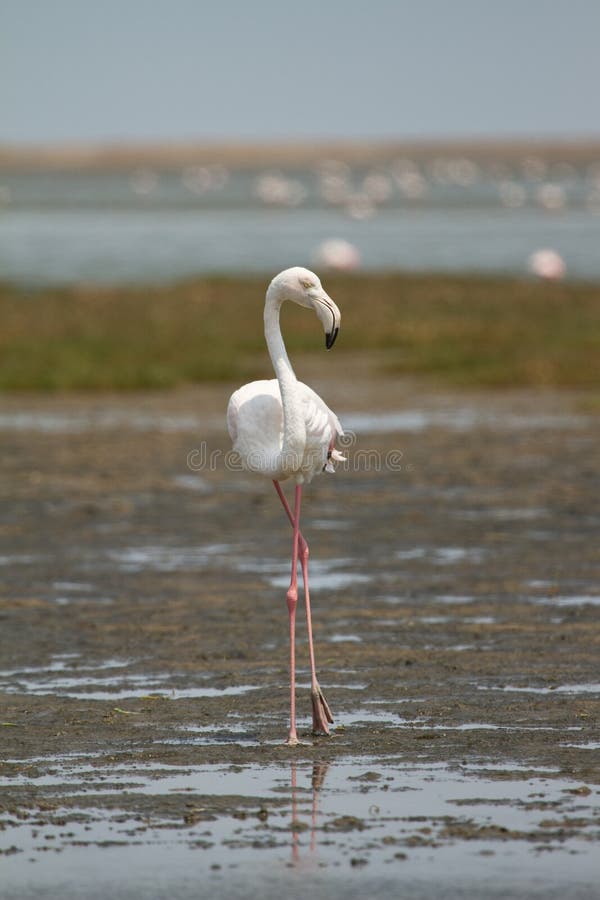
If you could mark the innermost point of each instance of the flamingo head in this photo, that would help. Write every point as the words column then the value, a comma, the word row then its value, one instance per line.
column 303, row 287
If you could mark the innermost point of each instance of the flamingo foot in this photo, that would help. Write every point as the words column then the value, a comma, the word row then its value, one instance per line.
column 292, row 739
column 321, row 712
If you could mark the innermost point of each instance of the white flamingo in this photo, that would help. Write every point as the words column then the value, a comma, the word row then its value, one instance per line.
column 282, row 429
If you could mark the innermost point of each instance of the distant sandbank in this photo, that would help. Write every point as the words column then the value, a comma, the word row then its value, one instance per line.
column 285, row 154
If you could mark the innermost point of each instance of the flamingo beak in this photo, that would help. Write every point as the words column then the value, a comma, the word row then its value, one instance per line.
column 330, row 317
column 330, row 337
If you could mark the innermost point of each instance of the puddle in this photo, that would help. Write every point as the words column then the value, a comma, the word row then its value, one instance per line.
column 62, row 759
column 461, row 419
column 443, row 555
column 502, row 515
column 394, row 720
column 104, row 420
column 454, row 598
column 66, row 662
column 22, row 559
column 126, row 687
column 588, row 745
column 76, row 586
column 368, row 716
column 357, row 827
column 323, row 581
column 154, row 779
column 412, row 553
column 331, row 524
column 480, row 726
column 66, row 677
column 566, row 601
column 415, row 420
column 558, row 689
column 322, row 574
column 159, row 558
column 458, row 554
column 457, row 599
column 94, row 601
column 113, row 680
column 356, row 686
column 344, row 638
column 509, row 765
column 192, row 483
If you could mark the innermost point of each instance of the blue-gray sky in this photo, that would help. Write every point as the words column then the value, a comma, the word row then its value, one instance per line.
column 262, row 69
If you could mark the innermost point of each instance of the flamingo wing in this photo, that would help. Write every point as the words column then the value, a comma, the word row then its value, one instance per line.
column 255, row 425
column 322, row 429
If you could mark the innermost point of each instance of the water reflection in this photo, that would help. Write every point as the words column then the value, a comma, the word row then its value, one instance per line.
column 319, row 771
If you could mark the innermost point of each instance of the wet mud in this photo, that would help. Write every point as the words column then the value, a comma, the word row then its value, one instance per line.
column 144, row 658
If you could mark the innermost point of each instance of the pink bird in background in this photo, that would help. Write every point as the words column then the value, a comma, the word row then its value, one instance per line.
column 547, row 264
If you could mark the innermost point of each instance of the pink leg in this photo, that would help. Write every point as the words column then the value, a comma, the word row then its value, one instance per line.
column 321, row 712
column 292, row 601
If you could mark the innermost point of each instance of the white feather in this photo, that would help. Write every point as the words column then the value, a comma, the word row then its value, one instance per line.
column 256, row 428
column 281, row 428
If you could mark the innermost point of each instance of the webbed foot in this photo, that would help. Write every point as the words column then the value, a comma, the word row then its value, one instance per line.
column 321, row 712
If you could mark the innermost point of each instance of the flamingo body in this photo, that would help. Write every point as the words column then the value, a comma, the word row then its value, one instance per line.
column 256, row 427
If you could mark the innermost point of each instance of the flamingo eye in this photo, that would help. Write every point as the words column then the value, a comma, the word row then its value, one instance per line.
column 307, row 284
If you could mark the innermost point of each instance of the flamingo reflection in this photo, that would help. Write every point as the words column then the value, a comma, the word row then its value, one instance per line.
column 317, row 778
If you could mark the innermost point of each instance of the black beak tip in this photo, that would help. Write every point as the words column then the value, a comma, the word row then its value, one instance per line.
column 330, row 338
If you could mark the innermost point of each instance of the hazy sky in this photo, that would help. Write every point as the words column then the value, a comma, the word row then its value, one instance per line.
column 178, row 69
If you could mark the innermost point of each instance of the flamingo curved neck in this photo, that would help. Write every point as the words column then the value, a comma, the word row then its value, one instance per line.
column 294, row 428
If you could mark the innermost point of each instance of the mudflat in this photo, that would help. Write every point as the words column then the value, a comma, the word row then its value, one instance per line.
column 144, row 674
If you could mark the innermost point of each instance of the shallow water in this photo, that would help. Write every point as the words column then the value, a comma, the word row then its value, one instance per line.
column 68, row 675
column 554, row 689
column 391, row 422
column 110, row 226
column 93, row 420
column 118, row 687
column 461, row 419
column 574, row 600
column 160, row 558
column 354, row 823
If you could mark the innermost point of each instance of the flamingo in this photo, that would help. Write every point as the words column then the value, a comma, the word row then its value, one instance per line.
column 282, row 429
